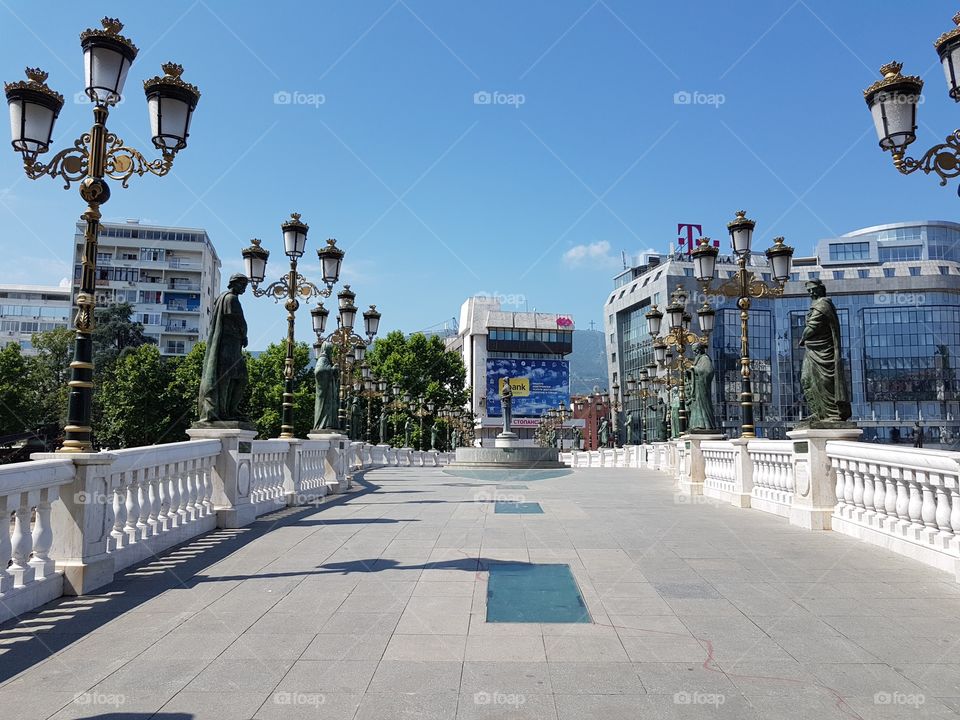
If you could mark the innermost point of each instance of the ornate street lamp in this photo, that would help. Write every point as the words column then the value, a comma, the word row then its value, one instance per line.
column 351, row 348
column 744, row 286
column 94, row 157
column 893, row 104
column 291, row 287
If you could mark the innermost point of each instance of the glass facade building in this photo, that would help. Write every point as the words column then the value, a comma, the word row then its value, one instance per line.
column 897, row 290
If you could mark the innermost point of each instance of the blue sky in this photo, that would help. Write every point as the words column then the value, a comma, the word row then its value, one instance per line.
column 581, row 153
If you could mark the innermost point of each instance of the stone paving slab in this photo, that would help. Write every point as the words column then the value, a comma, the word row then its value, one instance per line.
column 374, row 606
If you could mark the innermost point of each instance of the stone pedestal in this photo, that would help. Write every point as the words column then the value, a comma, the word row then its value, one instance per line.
column 378, row 454
column 691, row 469
column 507, row 440
column 81, row 523
column 405, row 457
column 231, row 473
column 814, row 497
column 743, row 481
column 335, row 464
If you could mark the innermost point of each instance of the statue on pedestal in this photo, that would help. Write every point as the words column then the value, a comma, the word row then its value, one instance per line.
column 821, row 375
column 224, row 379
column 384, row 426
column 356, row 418
column 663, row 420
column 506, row 403
column 455, row 438
column 700, row 402
column 577, row 438
column 674, row 412
column 604, row 433
column 407, row 429
column 628, row 429
column 326, row 406
column 434, row 436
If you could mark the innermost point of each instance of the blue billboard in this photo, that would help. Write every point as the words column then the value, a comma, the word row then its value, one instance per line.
column 537, row 385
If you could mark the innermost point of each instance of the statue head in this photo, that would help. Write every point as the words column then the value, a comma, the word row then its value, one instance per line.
column 815, row 288
column 238, row 283
column 700, row 348
column 325, row 355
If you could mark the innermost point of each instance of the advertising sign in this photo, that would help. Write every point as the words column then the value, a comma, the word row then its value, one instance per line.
column 537, row 385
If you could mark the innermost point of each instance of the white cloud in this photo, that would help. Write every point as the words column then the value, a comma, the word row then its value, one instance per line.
column 595, row 254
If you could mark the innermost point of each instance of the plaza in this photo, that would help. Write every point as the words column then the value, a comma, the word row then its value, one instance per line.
column 373, row 605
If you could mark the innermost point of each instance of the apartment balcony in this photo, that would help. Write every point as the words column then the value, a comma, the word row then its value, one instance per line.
column 181, row 329
column 188, row 287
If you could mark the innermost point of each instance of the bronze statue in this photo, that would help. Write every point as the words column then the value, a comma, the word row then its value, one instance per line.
column 506, row 403
column 577, row 438
column 407, row 428
column 700, row 403
column 434, row 436
column 356, row 419
column 604, row 433
column 628, row 427
column 674, row 412
column 821, row 375
column 663, row 420
column 224, row 378
column 326, row 405
column 455, row 438
column 384, row 426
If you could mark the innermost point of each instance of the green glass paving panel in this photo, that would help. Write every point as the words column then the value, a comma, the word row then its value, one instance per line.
column 517, row 508
column 531, row 593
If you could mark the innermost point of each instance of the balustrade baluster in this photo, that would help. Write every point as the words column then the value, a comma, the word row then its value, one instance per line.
column 903, row 495
column 954, row 508
column 916, row 499
column 848, row 484
column 158, row 501
column 943, row 510
column 6, row 548
column 838, row 469
column 173, row 481
column 132, row 527
column 866, row 474
column 928, row 507
column 43, row 534
column 144, row 491
column 879, row 490
column 22, row 542
column 208, row 508
column 191, row 478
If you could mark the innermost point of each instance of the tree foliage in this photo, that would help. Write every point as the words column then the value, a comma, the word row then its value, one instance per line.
column 114, row 332
column 17, row 411
column 264, row 402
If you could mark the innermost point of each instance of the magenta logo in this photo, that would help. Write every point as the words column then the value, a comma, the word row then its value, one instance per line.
column 564, row 321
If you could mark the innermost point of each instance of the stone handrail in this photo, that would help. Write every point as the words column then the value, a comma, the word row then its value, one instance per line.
column 720, row 466
column 773, row 482
column 28, row 492
column 905, row 499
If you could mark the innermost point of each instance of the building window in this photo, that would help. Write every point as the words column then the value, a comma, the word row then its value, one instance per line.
column 150, row 318
column 850, row 251
column 149, row 296
column 152, row 254
column 613, row 357
column 794, row 277
column 944, row 270
column 900, row 253
column 813, row 275
column 863, row 273
column 914, row 270
column 688, row 272
column 176, row 347
column 838, row 274
column 889, row 272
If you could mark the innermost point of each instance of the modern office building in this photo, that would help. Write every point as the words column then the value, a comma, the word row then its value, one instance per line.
column 530, row 348
column 171, row 276
column 28, row 309
column 897, row 291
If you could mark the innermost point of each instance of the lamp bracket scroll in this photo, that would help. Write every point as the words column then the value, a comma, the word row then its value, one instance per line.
column 942, row 159
column 70, row 163
column 122, row 162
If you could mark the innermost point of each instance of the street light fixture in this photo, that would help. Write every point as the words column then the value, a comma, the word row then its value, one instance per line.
column 92, row 158
column 893, row 101
column 292, row 287
column 744, row 285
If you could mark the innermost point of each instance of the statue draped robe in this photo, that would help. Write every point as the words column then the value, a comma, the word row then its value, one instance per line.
column 224, row 378
column 821, row 375
column 326, row 405
column 384, row 429
column 701, row 415
column 675, row 412
column 628, row 428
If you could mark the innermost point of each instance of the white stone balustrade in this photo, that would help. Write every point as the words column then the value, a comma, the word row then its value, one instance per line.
column 903, row 499
column 267, row 491
column 28, row 493
column 773, row 484
column 720, row 469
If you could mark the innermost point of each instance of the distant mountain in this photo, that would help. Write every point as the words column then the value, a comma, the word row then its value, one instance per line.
column 588, row 363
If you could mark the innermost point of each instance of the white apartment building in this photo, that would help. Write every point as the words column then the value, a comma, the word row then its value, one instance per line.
column 171, row 276
column 28, row 309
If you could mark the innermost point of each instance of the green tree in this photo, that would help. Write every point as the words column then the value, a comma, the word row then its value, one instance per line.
column 115, row 331
column 17, row 407
column 49, row 372
column 184, row 390
column 134, row 404
column 265, row 390
column 421, row 366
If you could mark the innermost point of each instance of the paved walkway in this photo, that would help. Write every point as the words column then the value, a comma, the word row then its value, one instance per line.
column 373, row 606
